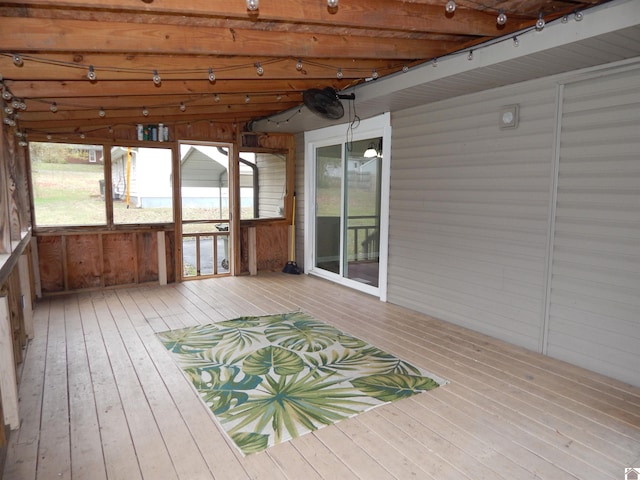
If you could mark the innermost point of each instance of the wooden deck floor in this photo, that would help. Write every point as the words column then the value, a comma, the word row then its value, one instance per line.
column 100, row 398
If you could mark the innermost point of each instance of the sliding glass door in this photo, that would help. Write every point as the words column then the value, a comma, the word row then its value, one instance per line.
column 348, row 216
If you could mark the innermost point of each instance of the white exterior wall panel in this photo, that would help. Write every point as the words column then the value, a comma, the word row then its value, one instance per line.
column 594, row 312
column 470, row 211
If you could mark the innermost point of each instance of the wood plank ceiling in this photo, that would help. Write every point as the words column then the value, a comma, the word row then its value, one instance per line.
column 262, row 60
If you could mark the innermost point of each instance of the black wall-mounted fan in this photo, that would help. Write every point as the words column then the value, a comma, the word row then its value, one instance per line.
column 326, row 102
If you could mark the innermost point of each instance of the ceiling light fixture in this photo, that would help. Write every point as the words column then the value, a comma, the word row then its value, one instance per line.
column 91, row 75
column 156, row 78
column 253, row 5
column 540, row 23
column 17, row 60
column 212, row 76
column 501, row 19
column 371, row 151
column 450, row 7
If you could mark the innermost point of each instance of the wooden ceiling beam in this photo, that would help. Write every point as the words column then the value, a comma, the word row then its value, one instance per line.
column 109, row 104
column 374, row 14
column 44, row 35
column 53, row 89
column 74, row 66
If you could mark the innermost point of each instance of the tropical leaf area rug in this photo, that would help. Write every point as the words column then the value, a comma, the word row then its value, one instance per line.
column 272, row 378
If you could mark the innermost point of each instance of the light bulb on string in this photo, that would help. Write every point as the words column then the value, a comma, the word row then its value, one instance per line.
column 332, row 3
column 102, row 113
column 253, row 5
column 470, row 56
column 145, row 112
column 339, row 74
column 435, row 62
column 374, row 74
column 156, row 78
column 259, row 69
column 212, row 76
column 501, row 19
column 299, row 65
column 53, row 107
column 247, row 99
column 6, row 94
column 540, row 23
column 565, row 19
column 578, row 16
column 516, row 42
column 91, row 74
column 8, row 110
column 183, row 107
column 216, row 98
column 405, row 68
column 450, row 7
column 17, row 60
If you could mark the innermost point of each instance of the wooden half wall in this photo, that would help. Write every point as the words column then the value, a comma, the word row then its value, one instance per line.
column 77, row 260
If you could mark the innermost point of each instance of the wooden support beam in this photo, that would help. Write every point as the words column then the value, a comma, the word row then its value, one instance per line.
column 8, row 380
column 34, row 35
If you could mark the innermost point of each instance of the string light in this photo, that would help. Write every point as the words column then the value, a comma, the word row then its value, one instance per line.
column 91, row 75
column 332, row 3
column 540, row 23
column 405, row 68
column 450, row 7
column 247, row 99
column 259, row 69
column 252, row 5
column 156, row 78
column 374, row 74
column 299, row 65
column 502, row 18
column 470, row 56
column 101, row 112
column 565, row 19
column 516, row 42
column 212, row 76
column 6, row 94
column 8, row 110
column 216, row 98
column 339, row 74
column 183, row 107
column 17, row 60
column 145, row 112
column 434, row 63
column 53, row 107
column 578, row 16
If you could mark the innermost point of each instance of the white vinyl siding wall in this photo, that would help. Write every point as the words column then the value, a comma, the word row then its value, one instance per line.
column 469, row 211
column 474, row 236
column 594, row 314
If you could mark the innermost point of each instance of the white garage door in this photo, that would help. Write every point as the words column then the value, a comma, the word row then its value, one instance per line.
column 594, row 306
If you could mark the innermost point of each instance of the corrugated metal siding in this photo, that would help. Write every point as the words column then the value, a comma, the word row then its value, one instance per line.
column 469, row 211
column 594, row 313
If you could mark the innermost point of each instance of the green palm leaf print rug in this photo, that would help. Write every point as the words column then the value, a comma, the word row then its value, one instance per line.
column 272, row 378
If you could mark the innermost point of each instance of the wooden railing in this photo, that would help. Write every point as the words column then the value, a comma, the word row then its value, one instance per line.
column 363, row 240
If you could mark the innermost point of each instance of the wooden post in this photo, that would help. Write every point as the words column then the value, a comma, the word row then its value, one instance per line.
column 253, row 261
column 8, row 381
column 25, row 292
column 162, row 259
